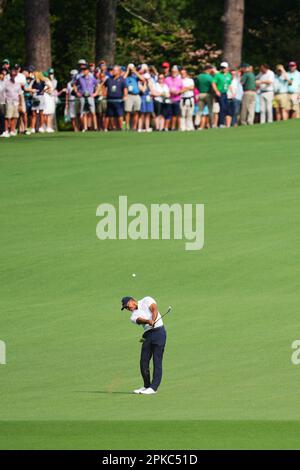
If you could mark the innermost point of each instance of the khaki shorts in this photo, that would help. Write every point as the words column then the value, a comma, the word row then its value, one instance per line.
column 281, row 100
column 12, row 111
column 102, row 106
column 205, row 99
column 22, row 107
column 216, row 107
column 73, row 108
column 132, row 104
column 292, row 102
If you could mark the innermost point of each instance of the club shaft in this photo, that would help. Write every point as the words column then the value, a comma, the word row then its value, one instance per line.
column 168, row 311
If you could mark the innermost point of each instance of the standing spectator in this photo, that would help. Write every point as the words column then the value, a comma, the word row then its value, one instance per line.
column 28, row 97
column 71, row 108
column 223, row 80
column 153, row 73
column 133, row 103
column 265, row 82
column 216, row 106
column 103, row 68
column 281, row 85
column 165, row 69
column 248, row 102
column 21, row 79
column 162, row 102
column 12, row 98
column 50, row 98
column 86, row 91
column 38, row 88
column 147, row 106
column 234, row 95
column 2, row 102
column 6, row 68
column 101, row 93
column 116, row 95
column 206, row 86
column 175, row 85
column 196, row 113
column 187, row 102
column 293, row 89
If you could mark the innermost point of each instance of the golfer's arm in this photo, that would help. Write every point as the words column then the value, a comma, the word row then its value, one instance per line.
column 142, row 321
column 154, row 311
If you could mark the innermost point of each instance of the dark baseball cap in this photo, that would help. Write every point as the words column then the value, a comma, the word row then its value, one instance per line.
column 125, row 301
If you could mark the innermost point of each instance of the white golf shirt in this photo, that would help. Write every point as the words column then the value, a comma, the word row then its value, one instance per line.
column 143, row 311
column 268, row 76
column 187, row 82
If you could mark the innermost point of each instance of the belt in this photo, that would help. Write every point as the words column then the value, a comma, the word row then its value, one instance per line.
column 187, row 99
column 154, row 329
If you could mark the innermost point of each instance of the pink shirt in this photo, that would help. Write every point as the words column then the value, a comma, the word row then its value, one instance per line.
column 175, row 85
column 12, row 91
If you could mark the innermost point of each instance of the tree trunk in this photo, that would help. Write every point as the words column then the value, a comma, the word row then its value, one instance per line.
column 38, row 38
column 233, row 27
column 106, row 30
column 2, row 6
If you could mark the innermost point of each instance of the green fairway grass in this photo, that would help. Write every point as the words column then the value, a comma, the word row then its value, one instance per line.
column 73, row 356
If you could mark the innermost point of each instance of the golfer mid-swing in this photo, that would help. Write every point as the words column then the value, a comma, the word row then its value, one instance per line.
column 144, row 312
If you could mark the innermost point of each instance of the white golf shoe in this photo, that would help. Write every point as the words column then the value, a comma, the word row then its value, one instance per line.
column 148, row 391
column 139, row 390
column 5, row 134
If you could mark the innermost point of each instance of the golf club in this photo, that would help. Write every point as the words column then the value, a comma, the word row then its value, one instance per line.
column 168, row 311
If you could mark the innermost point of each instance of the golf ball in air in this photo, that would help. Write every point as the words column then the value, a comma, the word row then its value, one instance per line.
column 133, row 275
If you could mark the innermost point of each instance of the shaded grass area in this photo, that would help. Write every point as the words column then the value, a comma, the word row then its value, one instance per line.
column 149, row 435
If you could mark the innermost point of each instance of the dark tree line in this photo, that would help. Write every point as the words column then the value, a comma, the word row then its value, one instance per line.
column 46, row 32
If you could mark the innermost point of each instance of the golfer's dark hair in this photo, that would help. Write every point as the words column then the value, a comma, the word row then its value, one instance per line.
column 208, row 67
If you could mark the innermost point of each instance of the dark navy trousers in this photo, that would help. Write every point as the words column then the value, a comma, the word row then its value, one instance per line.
column 223, row 102
column 153, row 346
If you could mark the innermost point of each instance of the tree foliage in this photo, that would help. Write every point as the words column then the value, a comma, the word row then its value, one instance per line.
column 180, row 31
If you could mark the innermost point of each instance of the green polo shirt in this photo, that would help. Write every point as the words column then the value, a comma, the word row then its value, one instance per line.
column 223, row 81
column 203, row 82
column 248, row 81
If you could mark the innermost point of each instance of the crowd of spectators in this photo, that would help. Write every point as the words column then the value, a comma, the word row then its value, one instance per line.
column 144, row 99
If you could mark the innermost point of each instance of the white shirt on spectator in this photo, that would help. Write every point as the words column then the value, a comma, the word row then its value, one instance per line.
column 12, row 91
column 188, row 82
column 269, row 76
column 2, row 97
column 163, row 89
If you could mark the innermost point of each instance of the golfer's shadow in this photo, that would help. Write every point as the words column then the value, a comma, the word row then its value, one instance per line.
column 106, row 392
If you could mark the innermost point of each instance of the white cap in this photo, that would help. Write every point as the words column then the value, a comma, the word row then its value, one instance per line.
column 74, row 72
column 144, row 67
column 82, row 61
column 224, row 65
